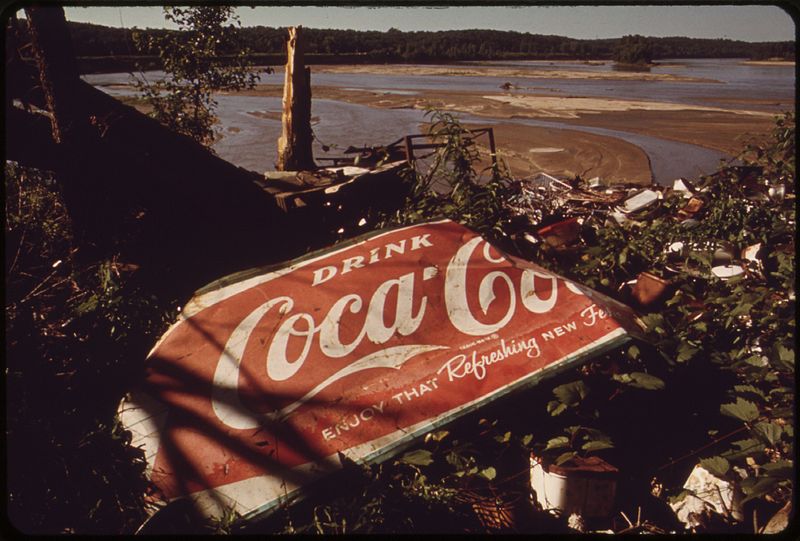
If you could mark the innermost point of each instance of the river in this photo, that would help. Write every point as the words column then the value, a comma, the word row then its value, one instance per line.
column 249, row 140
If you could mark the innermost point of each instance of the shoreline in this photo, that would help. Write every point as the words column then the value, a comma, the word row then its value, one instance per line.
column 714, row 128
column 462, row 70
column 566, row 149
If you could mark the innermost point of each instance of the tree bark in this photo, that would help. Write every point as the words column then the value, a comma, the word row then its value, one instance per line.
column 71, row 131
column 294, row 145
column 52, row 47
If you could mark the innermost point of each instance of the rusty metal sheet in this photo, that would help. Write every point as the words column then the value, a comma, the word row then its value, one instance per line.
column 269, row 374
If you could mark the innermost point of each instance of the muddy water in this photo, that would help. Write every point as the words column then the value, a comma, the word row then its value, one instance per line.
column 249, row 140
column 668, row 159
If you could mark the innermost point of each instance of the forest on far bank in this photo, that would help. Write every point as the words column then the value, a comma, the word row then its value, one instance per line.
column 267, row 46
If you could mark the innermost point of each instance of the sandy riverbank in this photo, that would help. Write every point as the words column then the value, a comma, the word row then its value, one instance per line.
column 725, row 130
column 769, row 62
column 526, row 150
column 502, row 72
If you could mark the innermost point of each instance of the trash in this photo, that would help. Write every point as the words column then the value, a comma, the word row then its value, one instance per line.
column 690, row 223
column 777, row 192
column 684, row 186
column 723, row 254
column 594, row 182
column 549, row 182
column 676, row 248
column 641, row 200
column 618, row 216
column 576, row 522
column 561, row 233
column 780, row 521
column 694, row 206
column 649, row 288
column 300, row 359
column 583, row 486
column 751, row 253
column 727, row 271
column 707, row 493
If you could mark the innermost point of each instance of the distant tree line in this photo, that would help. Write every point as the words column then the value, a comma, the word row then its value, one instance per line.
column 398, row 46
column 634, row 50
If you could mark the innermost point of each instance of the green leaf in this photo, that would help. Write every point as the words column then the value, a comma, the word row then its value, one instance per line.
column 750, row 389
column 419, row 457
column 717, row 465
column 557, row 443
column 742, row 409
column 782, row 469
column 768, row 432
column 488, row 473
column 571, row 393
column 564, row 457
column 642, row 380
column 757, row 487
column 505, row 438
column 633, row 352
column 597, row 445
column 526, row 439
column 89, row 305
column 554, row 407
column 685, row 352
column 439, row 435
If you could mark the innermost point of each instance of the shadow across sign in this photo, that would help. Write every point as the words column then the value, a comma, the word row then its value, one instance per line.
column 270, row 374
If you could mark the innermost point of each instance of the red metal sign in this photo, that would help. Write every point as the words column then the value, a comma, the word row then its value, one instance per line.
column 266, row 377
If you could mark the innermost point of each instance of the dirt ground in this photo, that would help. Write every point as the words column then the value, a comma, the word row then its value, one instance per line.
column 526, row 150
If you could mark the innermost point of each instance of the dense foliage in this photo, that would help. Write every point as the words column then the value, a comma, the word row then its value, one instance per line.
column 191, row 58
column 76, row 332
column 424, row 46
column 634, row 50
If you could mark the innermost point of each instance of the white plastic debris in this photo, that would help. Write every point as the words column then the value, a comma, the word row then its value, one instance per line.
column 618, row 216
column 726, row 271
column 679, row 185
column 643, row 199
column 676, row 248
column 751, row 252
column 582, row 486
column 707, row 493
column 348, row 170
column 576, row 522
column 546, row 181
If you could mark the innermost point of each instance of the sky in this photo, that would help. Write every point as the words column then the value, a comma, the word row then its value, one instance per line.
column 737, row 22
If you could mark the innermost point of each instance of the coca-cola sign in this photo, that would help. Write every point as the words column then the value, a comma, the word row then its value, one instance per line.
column 268, row 376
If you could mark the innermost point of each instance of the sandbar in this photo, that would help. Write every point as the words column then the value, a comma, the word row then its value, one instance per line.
column 502, row 72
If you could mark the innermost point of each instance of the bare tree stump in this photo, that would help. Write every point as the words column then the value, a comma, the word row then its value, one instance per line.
column 294, row 145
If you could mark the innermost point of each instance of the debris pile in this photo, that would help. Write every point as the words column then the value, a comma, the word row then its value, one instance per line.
column 547, row 213
column 697, row 260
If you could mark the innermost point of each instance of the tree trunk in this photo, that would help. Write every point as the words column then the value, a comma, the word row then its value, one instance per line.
column 294, row 145
column 134, row 187
column 71, row 131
